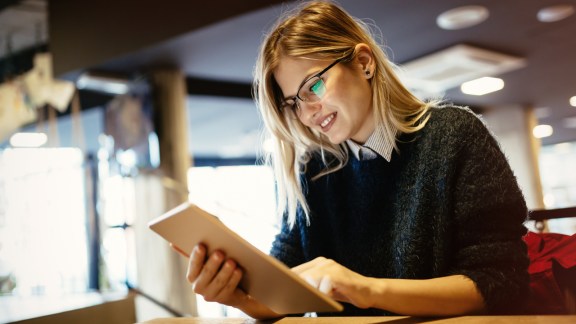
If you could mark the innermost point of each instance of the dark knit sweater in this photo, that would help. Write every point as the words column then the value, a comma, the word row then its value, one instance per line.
column 447, row 203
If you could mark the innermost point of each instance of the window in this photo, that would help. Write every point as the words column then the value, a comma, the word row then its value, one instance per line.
column 243, row 198
column 557, row 171
column 43, row 237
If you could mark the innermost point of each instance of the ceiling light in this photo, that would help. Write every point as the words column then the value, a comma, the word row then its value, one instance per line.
column 555, row 13
column 28, row 139
column 482, row 86
column 569, row 122
column 541, row 131
column 573, row 101
column 437, row 72
column 462, row 17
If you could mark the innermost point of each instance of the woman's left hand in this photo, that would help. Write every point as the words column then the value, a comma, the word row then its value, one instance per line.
column 337, row 281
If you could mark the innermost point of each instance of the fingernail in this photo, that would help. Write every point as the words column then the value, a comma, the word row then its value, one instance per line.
column 216, row 256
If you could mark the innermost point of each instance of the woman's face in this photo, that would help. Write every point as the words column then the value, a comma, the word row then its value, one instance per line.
column 345, row 108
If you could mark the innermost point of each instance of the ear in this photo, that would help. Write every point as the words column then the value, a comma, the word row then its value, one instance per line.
column 365, row 59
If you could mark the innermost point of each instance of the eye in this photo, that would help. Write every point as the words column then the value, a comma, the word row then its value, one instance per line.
column 317, row 87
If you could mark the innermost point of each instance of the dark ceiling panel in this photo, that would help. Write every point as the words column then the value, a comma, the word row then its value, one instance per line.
column 86, row 33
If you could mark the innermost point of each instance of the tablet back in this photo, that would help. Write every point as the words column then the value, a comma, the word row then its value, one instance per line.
column 266, row 279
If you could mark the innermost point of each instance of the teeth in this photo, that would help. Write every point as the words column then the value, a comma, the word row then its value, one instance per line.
column 327, row 120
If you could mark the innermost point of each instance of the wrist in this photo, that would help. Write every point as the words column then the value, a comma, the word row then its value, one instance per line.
column 377, row 289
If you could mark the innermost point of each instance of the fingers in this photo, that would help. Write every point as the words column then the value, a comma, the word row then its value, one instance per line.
column 215, row 278
column 232, row 284
column 224, row 283
column 309, row 265
column 325, row 285
column 208, row 273
column 196, row 262
column 316, row 273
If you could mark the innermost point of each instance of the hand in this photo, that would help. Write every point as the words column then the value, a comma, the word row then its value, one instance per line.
column 337, row 281
column 216, row 278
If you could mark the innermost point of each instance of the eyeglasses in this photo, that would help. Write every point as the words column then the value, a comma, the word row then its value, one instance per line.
column 310, row 91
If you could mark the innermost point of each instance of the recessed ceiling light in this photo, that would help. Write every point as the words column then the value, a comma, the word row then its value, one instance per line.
column 482, row 86
column 555, row 13
column 541, row 131
column 569, row 122
column 462, row 17
column 573, row 101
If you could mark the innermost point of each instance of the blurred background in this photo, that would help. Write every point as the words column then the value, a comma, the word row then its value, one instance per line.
column 113, row 112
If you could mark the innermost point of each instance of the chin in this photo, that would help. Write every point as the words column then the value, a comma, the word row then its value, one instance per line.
column 336, row 140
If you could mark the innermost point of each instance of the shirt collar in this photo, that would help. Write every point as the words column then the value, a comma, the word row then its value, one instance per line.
column 378, row 142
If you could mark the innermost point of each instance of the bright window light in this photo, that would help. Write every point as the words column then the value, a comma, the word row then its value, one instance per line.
column 104, row 84
column 28, row 139
column 573, row 101
column 482, row 86
column 244, row 199
column 541, row 131
column 43, row 222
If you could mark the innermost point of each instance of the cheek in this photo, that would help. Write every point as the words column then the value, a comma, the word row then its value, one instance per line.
column 353, row 91
column 304, row 121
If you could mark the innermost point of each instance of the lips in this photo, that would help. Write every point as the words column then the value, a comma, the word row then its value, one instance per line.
column 327, row 122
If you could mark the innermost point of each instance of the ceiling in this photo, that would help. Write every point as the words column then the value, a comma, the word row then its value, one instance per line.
column 226, row 51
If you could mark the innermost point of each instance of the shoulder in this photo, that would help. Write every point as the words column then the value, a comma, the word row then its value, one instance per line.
column 455, row 115
column 449, row 130
column 451, row 119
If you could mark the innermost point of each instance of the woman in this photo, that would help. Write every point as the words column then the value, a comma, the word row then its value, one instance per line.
column 391, row 205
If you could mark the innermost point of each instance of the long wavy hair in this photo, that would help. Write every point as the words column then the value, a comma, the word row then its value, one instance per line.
column 322, row 30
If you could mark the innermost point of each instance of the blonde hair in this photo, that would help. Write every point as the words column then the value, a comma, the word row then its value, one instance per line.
column 322, row 30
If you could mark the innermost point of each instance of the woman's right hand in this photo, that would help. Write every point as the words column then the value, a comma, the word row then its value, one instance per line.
column 216, row 278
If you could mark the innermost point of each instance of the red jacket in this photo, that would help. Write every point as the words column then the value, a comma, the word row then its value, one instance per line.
column 552, row 269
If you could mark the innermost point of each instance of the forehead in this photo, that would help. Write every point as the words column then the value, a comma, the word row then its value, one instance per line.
column 292, row 71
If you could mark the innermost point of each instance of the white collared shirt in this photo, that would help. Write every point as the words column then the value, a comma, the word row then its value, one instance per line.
column 377, row 144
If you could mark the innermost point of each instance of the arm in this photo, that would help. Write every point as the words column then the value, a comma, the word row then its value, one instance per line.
column 489, row 216
column 451, row 295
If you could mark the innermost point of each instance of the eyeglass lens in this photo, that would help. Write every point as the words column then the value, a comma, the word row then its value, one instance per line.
column 313, row 90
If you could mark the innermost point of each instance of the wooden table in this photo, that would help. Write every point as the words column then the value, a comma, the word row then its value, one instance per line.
column 533, row 319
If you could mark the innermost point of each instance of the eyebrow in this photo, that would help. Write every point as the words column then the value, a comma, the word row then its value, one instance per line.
column 309, row 77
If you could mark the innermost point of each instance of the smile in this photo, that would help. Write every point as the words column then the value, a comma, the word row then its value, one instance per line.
column 326, row 121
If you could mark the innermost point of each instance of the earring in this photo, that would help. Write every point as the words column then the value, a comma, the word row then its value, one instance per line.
column 367, row 73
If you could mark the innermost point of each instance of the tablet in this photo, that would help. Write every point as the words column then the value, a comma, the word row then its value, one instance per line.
column 265, row 278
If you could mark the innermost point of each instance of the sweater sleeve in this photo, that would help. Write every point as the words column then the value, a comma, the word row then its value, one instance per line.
column 489, row 217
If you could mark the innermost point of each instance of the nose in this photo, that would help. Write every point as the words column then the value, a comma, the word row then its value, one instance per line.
column 309, row 110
